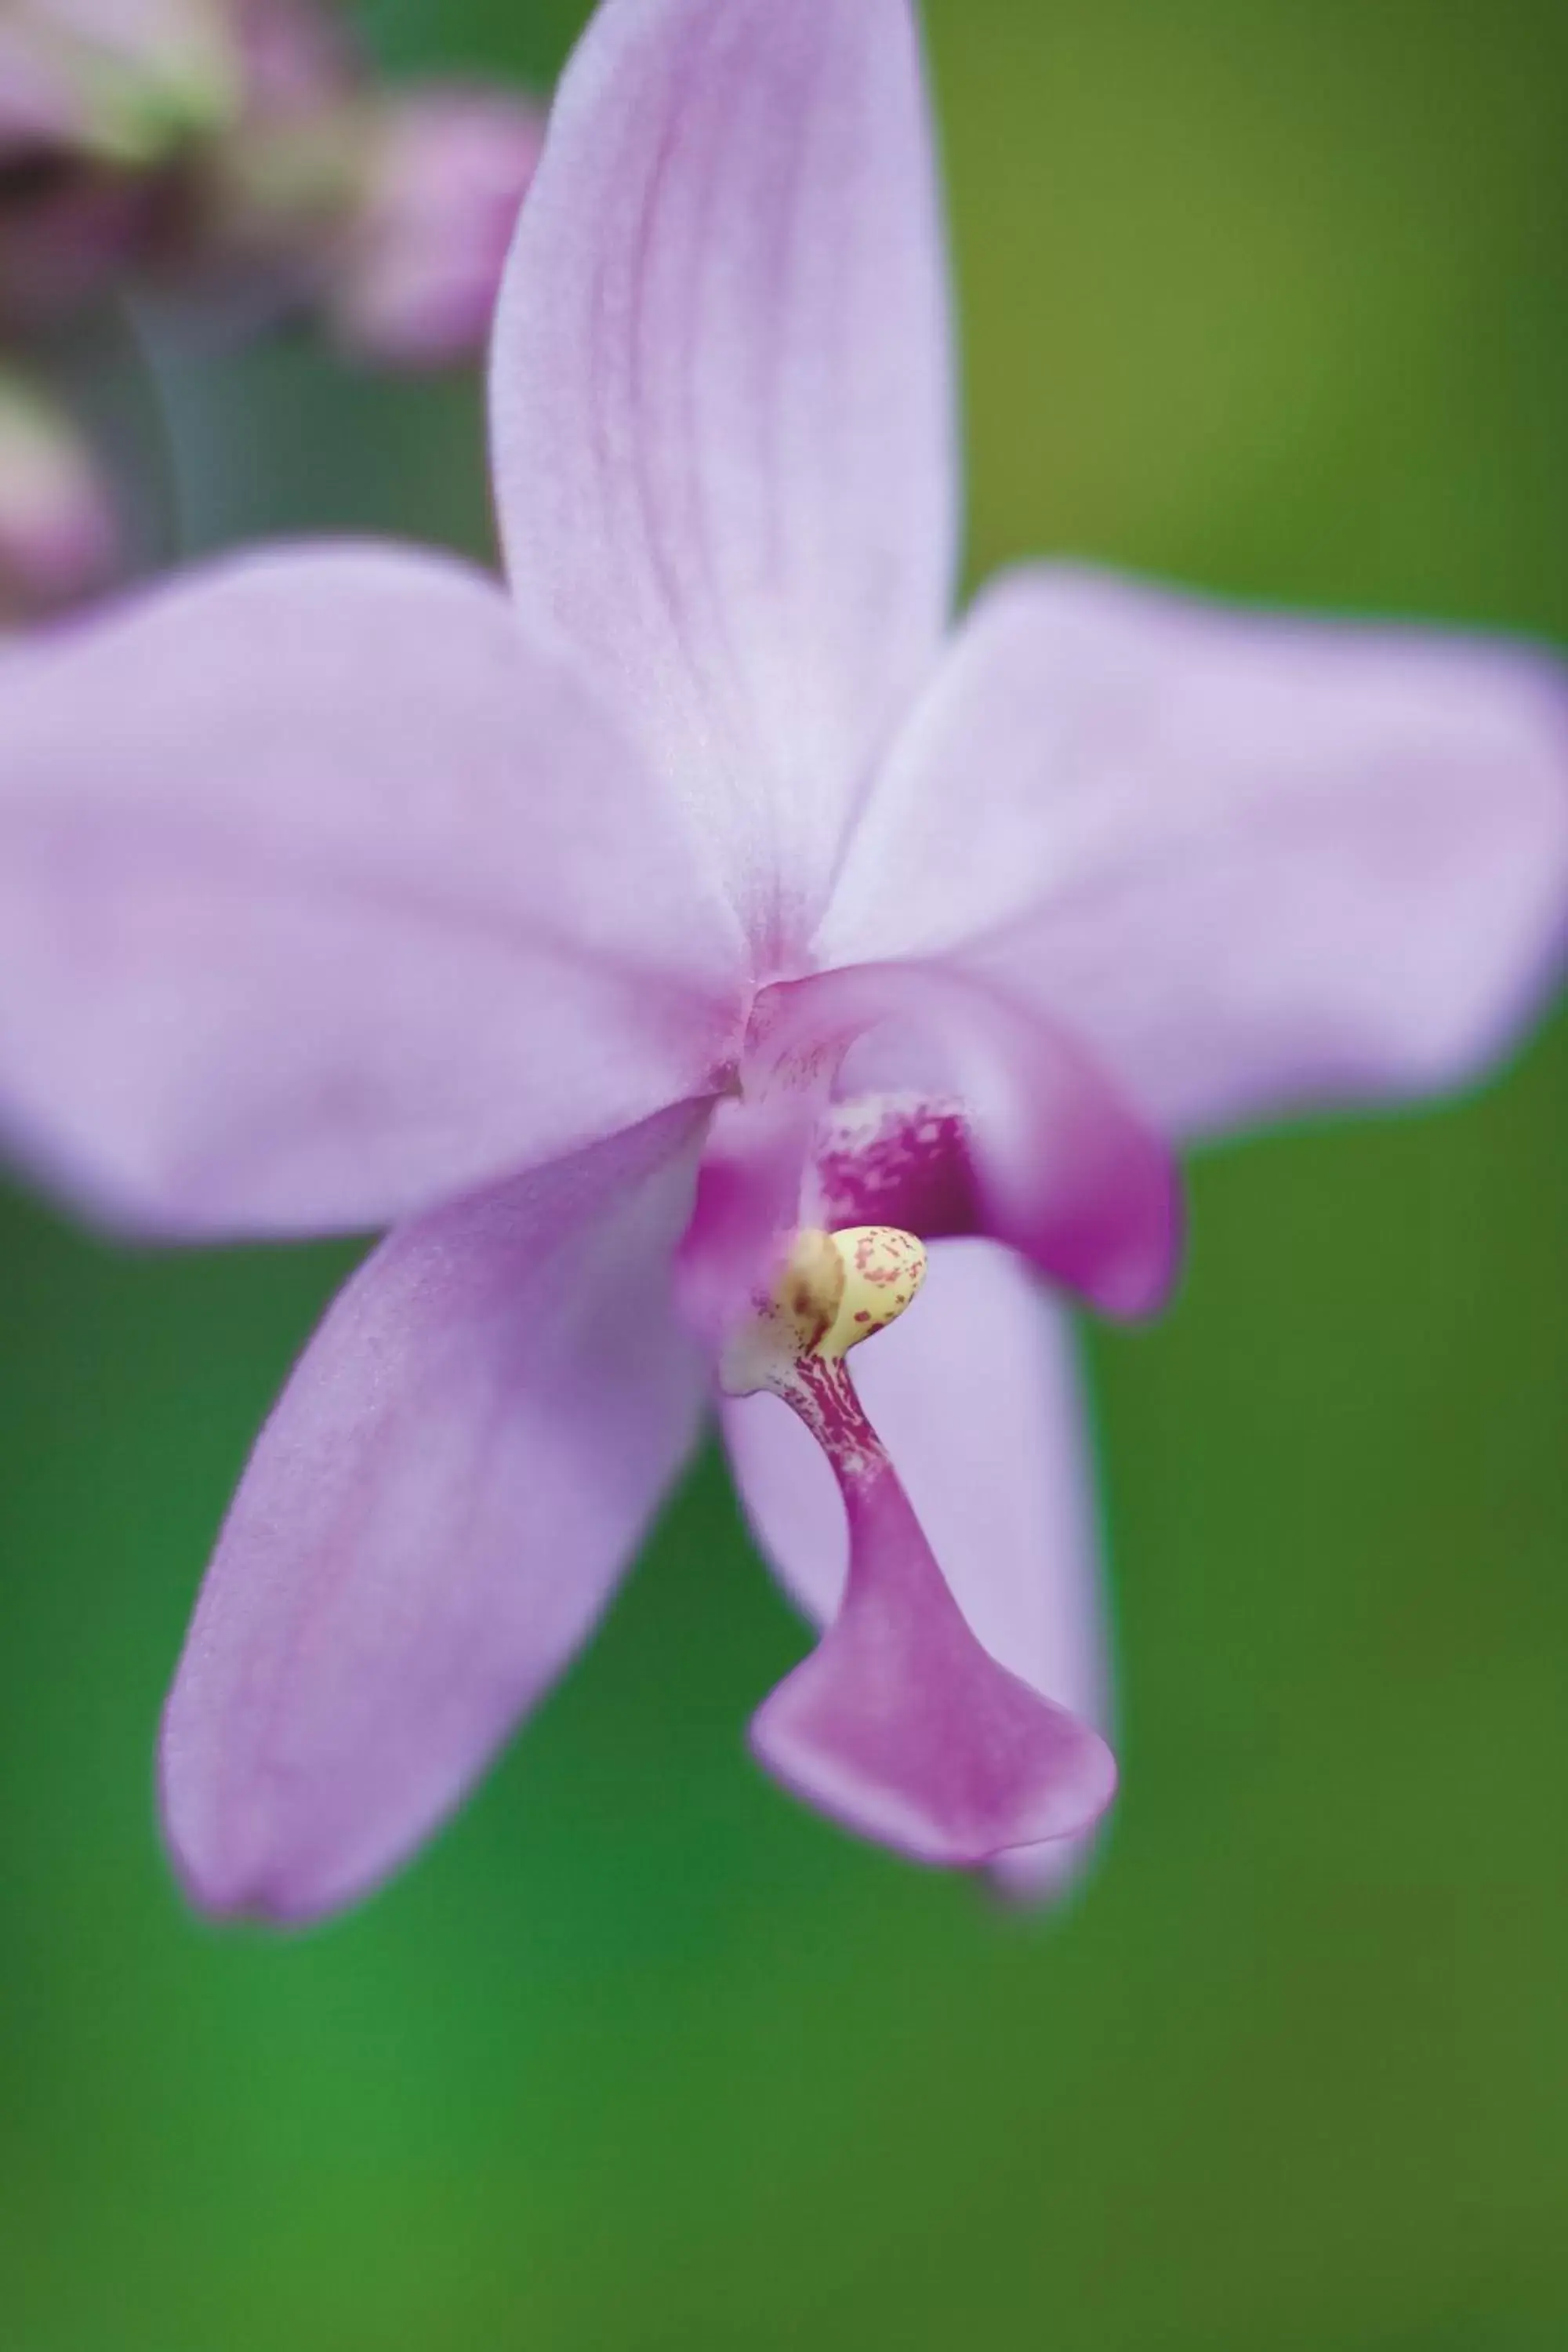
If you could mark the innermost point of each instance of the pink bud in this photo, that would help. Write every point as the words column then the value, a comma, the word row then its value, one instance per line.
column 418, row 273
column 38, row 106
column 60, row 537
column 295, row 56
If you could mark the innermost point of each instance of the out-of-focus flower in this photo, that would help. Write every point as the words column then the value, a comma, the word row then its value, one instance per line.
column 192, row 140
column 59, row 535
column 294, row 54
column 95, row 98
column 414, row 283
column 234, row 158
column 677, row 947
column 117, row 81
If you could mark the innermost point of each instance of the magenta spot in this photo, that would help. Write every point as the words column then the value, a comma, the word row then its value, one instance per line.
column 902, row 1162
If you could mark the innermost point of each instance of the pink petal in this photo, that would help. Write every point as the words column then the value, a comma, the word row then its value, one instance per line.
column 432, row 1521
column 974, row 1395
column 902, row 1728
column 325, row 892
column 724, row 446
column 1254, row 864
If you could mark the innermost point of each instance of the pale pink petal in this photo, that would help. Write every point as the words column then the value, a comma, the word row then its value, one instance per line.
column 1254, row 864
column 454, row 1479
column 974, row 1394
column 724, row 447
column 325, row 892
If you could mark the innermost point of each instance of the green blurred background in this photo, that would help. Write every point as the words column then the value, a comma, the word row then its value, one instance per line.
column 1270, row 295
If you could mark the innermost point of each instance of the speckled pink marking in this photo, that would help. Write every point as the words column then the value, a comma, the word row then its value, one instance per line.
column 896, row 1159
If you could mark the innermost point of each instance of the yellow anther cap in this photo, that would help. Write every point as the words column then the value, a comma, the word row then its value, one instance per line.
column 836, row 1289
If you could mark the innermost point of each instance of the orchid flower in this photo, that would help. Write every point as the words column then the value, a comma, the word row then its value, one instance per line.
column 682, row 950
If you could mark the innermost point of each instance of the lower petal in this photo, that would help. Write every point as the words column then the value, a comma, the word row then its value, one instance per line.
column 901, row 1726
column 432, row 1521
column 976, row 1397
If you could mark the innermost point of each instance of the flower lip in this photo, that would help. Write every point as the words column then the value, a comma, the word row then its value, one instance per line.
column 900, row 1724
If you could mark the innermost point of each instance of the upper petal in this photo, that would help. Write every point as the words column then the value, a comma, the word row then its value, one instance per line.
column 1256, row 864
column 326, row 891
column 722, row 422
column 974, row 1394
column 434, row 1516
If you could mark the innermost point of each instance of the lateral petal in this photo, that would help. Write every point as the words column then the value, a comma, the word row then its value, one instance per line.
column 1256, row 865
column 325, row 892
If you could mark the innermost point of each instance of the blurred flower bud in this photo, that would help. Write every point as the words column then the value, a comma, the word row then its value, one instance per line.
column 37, row 104
column 420, row 263
column 96, row 95
column 122, row 82
column 60, row 536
